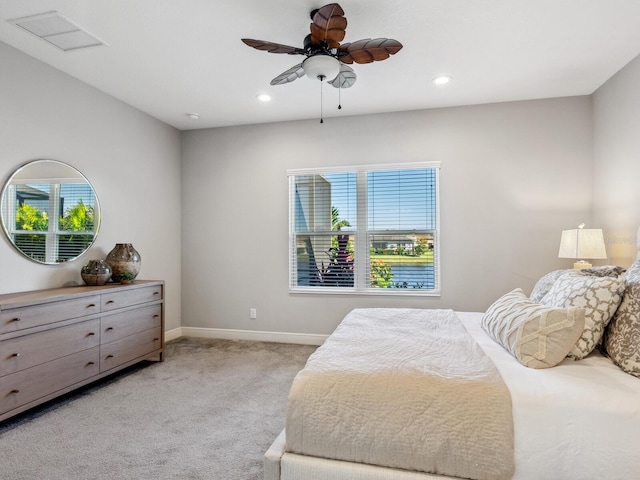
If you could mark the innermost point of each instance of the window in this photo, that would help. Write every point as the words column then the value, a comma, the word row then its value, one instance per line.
column 50, row 222
column 371, row 229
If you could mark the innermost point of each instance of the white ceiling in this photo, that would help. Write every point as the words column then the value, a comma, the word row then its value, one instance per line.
column 173, row 57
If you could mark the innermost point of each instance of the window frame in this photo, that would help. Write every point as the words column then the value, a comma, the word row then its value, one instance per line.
column 362, row 233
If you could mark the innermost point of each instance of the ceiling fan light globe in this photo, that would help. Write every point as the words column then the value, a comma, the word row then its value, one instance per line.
column 321, row 67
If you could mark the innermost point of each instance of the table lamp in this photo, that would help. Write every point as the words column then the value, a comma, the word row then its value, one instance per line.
column 582, row 243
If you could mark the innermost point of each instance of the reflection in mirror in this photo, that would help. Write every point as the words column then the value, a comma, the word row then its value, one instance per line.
column 50, row 211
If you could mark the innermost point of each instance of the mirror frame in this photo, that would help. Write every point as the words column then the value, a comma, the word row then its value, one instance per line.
column 54, row 165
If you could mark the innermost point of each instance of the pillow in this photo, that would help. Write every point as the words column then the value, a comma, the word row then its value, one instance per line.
column 545, row 283
column 538, row 336
column 599, row 296
column 622, row 340
column 603, row 271
column 632, row 276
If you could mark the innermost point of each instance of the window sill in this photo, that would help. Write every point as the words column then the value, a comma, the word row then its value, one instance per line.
column 392, row 292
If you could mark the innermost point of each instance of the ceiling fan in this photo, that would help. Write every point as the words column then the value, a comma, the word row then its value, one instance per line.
column 326, row 58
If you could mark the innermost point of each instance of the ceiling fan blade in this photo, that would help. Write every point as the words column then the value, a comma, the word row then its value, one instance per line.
column 289, row 76
column 345, row 78
column 273, row 47
column 328, row 25
column 368, row 50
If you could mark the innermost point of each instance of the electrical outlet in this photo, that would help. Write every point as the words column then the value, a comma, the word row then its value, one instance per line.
column 253, row 314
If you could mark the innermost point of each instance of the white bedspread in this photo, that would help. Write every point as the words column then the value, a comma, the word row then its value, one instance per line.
column 404, row 388
column 579, row 420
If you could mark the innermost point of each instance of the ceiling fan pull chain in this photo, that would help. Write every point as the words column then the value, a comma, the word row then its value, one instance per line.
column 321, row 78
column 339, row 96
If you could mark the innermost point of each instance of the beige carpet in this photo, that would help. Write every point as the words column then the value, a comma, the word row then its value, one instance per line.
column 210, row 411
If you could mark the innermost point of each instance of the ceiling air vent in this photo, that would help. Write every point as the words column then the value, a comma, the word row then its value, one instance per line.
column 57, row 30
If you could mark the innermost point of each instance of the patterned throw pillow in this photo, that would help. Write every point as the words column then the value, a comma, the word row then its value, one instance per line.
column 632, row 277
column 545, row 283
column 603, row 271
column 622, row 339
column 538, row 336
column 599, row 296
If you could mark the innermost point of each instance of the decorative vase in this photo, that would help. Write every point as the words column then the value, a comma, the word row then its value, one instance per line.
column 96, row 272
column 123, row 258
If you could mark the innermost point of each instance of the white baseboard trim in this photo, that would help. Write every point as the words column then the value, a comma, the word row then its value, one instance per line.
column 172, row 334
column 255, row 335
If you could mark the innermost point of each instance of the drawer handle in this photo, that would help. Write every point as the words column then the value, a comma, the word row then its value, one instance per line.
column 109, row 302
column 109, row 356
column 156, row 339
column 156, row 316
column 14, row 391
column 156, row 293
column 108, row 328
column 15, row 355
column 17, row 319
column 91, row 305
column 90, row 334
column 91, row 363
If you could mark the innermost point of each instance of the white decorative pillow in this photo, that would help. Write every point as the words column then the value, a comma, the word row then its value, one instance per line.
column 599, row 296
column 538, row 336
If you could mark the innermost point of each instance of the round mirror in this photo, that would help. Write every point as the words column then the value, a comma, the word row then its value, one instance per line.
column 50, row 212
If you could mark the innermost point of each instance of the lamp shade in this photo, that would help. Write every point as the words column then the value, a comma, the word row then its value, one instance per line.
column 583, row 243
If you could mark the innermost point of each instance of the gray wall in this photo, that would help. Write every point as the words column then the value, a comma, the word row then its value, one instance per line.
column 616, row 194
column 513, row 176
column 132, row 160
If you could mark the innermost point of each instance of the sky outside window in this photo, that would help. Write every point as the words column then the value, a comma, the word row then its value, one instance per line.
column 397, row 199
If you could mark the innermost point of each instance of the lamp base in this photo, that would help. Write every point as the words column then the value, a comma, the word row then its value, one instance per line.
column 582, row 264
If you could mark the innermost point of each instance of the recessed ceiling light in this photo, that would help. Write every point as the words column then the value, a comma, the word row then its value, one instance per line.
column 192, row 116
column 442, row 79
column 263, row 97
column 57, row 30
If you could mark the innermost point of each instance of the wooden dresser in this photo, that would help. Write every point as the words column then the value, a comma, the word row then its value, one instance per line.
column 53, row 341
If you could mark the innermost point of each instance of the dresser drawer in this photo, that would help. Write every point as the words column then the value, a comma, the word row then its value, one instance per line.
column 129, row 348
column 119, row 325
column 15, row 319
column 36, row 382
column 134, row 296
column 30, row 350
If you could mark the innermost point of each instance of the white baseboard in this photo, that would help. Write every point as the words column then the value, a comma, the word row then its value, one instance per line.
column 255, row 335
column 172, row 334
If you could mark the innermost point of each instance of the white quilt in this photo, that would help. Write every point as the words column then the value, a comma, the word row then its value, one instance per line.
column 404, row 388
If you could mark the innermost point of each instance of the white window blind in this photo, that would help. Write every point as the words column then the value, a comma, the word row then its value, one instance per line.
column 371, row 229
column 51, row 222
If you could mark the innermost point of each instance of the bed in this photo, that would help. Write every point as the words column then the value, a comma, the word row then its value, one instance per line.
column 570, row 412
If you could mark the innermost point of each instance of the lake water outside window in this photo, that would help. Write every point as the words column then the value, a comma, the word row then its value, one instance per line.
column 365, row 230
